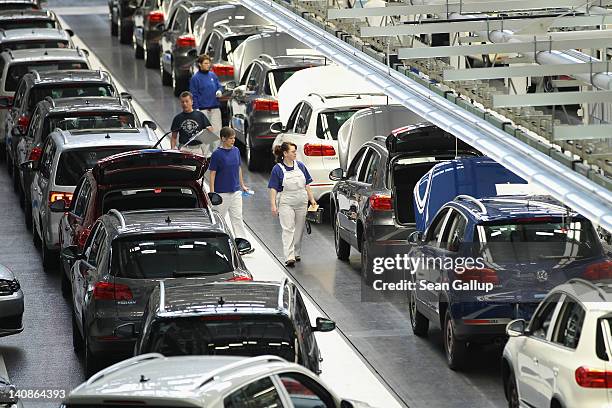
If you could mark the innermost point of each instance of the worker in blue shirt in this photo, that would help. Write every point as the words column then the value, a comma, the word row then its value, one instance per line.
column 206, row 88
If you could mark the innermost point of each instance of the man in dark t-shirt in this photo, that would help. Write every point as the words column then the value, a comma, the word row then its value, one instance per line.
column 187, row 124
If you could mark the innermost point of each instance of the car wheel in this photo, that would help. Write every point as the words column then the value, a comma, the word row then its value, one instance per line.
column 178, row 83
column 166, row 78
column 35, row 237
column 343, row 249
column 138, row 50
column 28, row 214
column 150, row 56
column 9, row 161
column 15, row 178
column 253, row 157
column 512, row 392
column 114, row 29
column 418, row 321
column 49, row 257
column 2, row 151
column 92, row 361
column 455, row 349
column 366, row 261
column 66, row 286
column 77, row 339
column 125, row 34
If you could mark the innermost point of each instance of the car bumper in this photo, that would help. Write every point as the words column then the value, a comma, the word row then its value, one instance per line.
column 183, row 63
column 102, row 338
column 11, row 314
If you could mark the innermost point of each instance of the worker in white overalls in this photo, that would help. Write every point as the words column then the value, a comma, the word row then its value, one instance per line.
column 289, row 195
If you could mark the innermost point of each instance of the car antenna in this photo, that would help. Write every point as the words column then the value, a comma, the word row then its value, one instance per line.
column 221, row 302
column 107, row 136
column 168, row 220
column 143, row 379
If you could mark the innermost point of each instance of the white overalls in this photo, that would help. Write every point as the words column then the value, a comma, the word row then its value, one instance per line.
column 291, row 203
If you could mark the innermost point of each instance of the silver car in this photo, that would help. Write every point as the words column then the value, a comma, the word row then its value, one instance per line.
column 66, row 156
column 11, row 303
column 28, row 38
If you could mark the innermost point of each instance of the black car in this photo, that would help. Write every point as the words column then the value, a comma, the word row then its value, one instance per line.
column 13, row 19
column 371, row 203
column 121, row 13
column 254, row 106
column 148, row 23
column 128, row 254
column 177, row 43
column 20, row 4
column 241, row 319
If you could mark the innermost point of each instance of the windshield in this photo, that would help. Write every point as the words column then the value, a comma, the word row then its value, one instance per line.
column 538, row 239
column 175, row 255
column 238, row 335
column 73, row 164
column 23, row 23
column 68, row 90
column 16, row 71
column 277, row 78
column 30, row 44
column 96, row 120
column 194, row 16
column 328, row 123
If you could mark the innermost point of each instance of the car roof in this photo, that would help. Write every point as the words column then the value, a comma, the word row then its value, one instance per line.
column 595, row 295
column 74, row 139
column 26, row 14
column 227, row 30
column 511, row 207
column 94, row 103
column 291, row 61
column 181, row 378
column 23, row 34
column 71, row 75
column 219, row 298
column 345, row 100
column 156, row 221
column 44, row 54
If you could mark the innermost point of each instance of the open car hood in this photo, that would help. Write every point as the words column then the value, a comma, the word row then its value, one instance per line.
column 426, row 139
column 150, row 165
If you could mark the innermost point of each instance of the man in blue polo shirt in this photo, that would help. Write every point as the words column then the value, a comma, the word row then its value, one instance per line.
column 206, row 88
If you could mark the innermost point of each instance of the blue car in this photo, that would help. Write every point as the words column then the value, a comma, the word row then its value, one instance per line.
column 498, row 258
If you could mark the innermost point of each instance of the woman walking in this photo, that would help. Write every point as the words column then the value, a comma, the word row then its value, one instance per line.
column 289, row 195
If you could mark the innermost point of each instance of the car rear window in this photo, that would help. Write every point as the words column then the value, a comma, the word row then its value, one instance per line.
column 68, row 90
column 174, row 255
column 276, row 78
column 538, row 239
column 24, row 23
column 150, row 198
column 27, row 45
column 94, row 120
column 17, row 70
column 328, row 123
column 73, row 164
column 236, row 335
column 230, row 44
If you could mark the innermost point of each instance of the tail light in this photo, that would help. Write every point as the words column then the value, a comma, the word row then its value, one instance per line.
column 591, row 378
column 265, row 105
column 58, row 195
column 319, row 150
column 484, row 275
column 83, row 235
column 381, row 202
column 155, row 17
column 35, row 154
column 224, row 70
column 23, row 122
column 112, row 291
column 240, row 278
column 601, row 270
column 186, row 41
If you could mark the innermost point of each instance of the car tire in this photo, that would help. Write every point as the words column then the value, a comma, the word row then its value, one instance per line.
column 35, row 237
column 49, row 257
column 178, row 83
column 151, row 58
column 418, row 321
column 512, row 392
column 2, row 151
column 28, row 215
column 114, row 29
column 138, row 50
column 166, row 78
column 252, row 156
column 92, row 361
column 66, row 286
column 343, row 249
column 77, row 339
column 455, row 349
column 9, row 162
column 125, row 34
column 15, row 179
column 366, row 261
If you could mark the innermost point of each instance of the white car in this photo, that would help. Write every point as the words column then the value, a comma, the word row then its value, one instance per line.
column 563, row 357
column 205, row 381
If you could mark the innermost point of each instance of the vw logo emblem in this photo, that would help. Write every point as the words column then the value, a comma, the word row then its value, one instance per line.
column 542, row 276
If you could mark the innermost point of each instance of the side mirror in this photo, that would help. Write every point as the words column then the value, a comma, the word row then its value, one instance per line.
column 126, row 95
column 84, row 51
column 324, row 325
column 193, row 53
column 58, row 206
column 70, row 253
column 230, row 85
column 6, row 103
column 239, row 91
column 150, row 124
column 516, row 328
column 215, row 198
column 244, row 246
column 277, row 127
column 70, row 32
column 415, row 237
column 337, row 174
column 30, row 165
column 126, row 331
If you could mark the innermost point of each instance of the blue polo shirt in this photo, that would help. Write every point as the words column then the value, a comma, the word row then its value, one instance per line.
column 226, row 162
column 204, row 86
column 277, row 176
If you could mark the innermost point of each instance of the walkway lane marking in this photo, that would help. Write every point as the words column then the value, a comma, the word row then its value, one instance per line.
column 343, row 369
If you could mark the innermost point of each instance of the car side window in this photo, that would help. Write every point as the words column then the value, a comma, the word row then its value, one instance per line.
column 180, row 20
column 83, row 199
column 305, row 392
column 435, row 229
column 94, row 249
column 301, row 316
column 569, row 324
column 370, row 171
column 447, row 228
column 258, row 394
column 540, row 322
column 456, row 232
column 301, row 124
column 351, row 174
column 46, row 160
column 293, row 117
column 253, row 82
column 19, row 95
column 213, row 43
column 364, row 166
column 34, row 124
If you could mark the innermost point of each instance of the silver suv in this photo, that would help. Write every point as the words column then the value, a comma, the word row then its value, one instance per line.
column 206, row 381
column 66, row 156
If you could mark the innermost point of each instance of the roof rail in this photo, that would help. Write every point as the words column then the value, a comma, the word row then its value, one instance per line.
column 162, row 296
column 591, row 285
column 63, row 133
column 35, row 72
column 380, row 137
column 123, row 364
column 474, row 200
column 280, row 293
column 238, row 364
column 319, row 95
column 118, row 215
column 269, row 57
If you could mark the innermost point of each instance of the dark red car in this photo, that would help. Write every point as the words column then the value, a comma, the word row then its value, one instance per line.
column 137, row 180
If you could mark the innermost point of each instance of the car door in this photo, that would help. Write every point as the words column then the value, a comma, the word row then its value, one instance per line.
column 41, row 182
column 76, row 215
column 239, row 104
column 307, row 341
column 297, row 135
column 165, row 41
column 531, row 348
column 259, row 393
column 304, row 391
column 347, row 211
column 12, row 130
column 449, row 247
column 84, row 268
column 25, row 144
column 179, row 26
column 212, row 46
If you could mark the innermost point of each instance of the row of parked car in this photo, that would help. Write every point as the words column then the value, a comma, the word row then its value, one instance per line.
column 146, row 262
